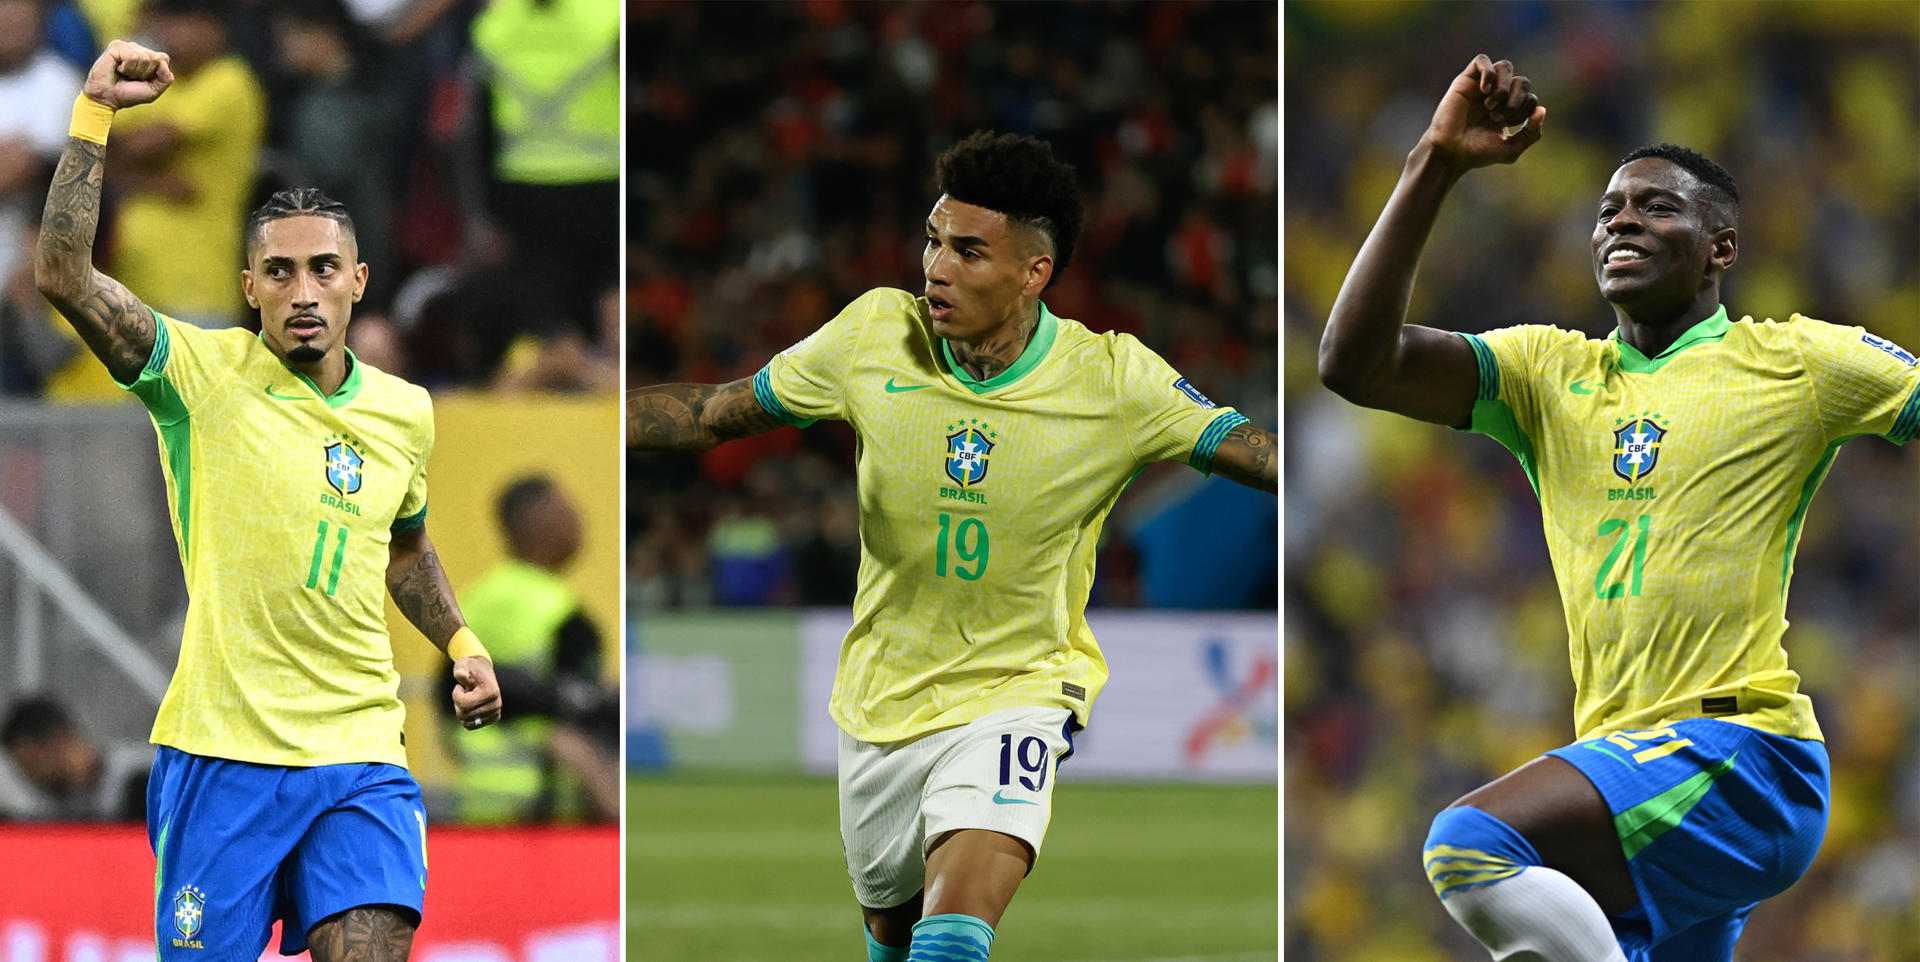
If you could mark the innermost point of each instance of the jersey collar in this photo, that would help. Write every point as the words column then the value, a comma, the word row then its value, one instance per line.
column 349, row 388
column 1036, row 351
column 1708, row 331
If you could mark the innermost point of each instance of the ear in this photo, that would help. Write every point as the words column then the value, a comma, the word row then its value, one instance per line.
column 246, row 287
column 1725, row 249
column 1039, row 272
column 359, row 282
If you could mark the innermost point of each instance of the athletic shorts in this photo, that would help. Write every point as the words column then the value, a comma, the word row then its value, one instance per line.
column 1713, row 817
column 897, row 799
column 239, row 845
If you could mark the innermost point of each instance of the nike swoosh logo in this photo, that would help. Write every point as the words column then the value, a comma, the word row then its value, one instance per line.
column 287, row 397
column 893, row 388
column 1575, row 387
column 997, row 799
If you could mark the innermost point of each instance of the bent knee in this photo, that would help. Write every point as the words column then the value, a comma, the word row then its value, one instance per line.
column 1467, row 848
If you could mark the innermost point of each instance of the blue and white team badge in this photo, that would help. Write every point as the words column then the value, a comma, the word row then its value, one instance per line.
column 1181, row 385
column 968, row 450
column 343, row 467
column 1899, row 353
column 189, row 910
column 1636, row 446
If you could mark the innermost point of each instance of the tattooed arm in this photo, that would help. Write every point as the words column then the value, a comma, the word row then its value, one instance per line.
column 1248, row 455
column 113, row 323
column 420, row 590
column 694, row 417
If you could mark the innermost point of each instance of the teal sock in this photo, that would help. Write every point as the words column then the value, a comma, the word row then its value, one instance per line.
column 951, row 938
column 882, row 953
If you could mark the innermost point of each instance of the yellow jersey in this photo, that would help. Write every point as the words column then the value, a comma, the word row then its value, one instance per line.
column 283, row 504
column 1673, row 489
column 981, row 504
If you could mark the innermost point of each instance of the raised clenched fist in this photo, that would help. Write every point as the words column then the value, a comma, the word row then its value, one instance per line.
column 127, row 74
column 1471, row 126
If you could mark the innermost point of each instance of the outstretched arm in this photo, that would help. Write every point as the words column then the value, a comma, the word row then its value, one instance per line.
column 420, row 590
column 694, row 417
column 1368, row 353
column 1248, row 455
column 113, row 323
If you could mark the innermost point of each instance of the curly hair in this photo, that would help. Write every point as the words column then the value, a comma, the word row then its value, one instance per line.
column 1719, row 183
column 297, row 202
column 1019, row 177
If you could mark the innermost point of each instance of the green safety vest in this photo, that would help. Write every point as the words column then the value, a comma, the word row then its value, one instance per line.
column 516, row 610
column 555, row 74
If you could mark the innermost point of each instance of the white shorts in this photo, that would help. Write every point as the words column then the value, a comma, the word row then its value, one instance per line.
column 896, row 799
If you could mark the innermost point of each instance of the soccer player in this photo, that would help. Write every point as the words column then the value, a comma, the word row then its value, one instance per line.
column 297, row 481
column 1674, row 461
column 994, row 438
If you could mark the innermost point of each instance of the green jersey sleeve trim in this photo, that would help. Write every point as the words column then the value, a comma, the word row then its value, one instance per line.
column 1495, row 420
column 412, row 522
column 1202, row 457
column 763, row 392
column 1036, row 351
column 1799, row 517
column 1489, row 387
column 1908, row 423
column 156, row 358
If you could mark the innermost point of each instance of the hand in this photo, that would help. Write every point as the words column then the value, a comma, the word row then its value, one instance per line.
column 1470, row 126
column 128, row 74
column 476, row 693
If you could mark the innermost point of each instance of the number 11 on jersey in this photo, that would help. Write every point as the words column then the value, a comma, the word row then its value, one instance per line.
column 319, row 556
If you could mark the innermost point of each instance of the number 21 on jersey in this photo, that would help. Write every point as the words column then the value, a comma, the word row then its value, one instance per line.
column 1608, row 583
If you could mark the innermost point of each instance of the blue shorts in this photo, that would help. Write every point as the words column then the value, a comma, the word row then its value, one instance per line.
column 1713, row 817
column 239, row 845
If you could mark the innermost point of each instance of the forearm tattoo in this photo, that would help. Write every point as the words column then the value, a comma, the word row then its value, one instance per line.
column 420, row 590
column 1246, row 455
column 693, row 417
column 113, row 323
column 369, row 933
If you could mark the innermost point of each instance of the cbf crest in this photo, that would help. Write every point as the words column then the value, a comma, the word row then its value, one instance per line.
column 1636, row 445
column 189, row 911
column 344, row 464
column 969, row 450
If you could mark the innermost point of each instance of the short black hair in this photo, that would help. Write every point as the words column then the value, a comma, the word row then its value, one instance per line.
column 518, row 497
column 1019, row 177
column 1720, row 186
column 296, row 202
column 35, row 719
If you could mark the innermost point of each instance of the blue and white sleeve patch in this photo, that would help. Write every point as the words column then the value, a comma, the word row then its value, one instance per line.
column 763, row 392
column 1899, row 353
column 1202, row 457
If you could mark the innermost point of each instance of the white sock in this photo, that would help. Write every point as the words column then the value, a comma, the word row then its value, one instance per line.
column 1539, row 915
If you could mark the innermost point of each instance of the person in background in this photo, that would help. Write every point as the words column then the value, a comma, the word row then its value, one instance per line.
column 80, row 780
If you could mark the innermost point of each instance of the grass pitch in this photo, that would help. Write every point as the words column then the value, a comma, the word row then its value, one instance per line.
column 749, row 870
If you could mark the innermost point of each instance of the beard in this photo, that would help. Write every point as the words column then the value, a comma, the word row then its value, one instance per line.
column 305, row 354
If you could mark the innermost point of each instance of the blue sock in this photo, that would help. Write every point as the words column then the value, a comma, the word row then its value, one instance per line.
column 951, row 938
column 882, row 953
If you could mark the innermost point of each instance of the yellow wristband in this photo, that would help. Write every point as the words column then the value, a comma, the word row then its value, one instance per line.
column 464, row 644
column 91, row 119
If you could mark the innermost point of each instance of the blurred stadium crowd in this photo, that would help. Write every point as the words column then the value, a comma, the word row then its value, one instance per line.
column 489, row 269
column 1425, row 646
column 780, row 164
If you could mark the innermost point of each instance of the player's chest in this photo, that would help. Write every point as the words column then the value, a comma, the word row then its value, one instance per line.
column 956, row 446
column 300, row 456
column 1710, row 425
